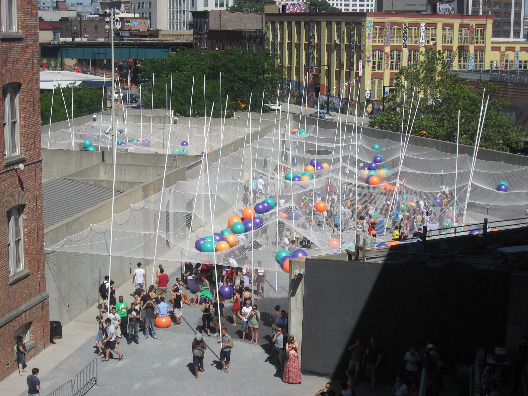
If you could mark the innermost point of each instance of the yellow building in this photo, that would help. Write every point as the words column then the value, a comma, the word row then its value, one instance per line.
column 341, row 50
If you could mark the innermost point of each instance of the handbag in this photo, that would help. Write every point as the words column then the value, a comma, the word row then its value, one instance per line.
column 199, row 352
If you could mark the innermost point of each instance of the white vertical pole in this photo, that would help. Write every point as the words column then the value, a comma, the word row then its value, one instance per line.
column 51, row 114
column 456, row 170
column 140, row 113
column 72, row 125
column 152, row 105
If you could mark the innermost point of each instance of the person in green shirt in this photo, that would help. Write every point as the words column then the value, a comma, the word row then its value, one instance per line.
column 122, row 311
column 253, row 324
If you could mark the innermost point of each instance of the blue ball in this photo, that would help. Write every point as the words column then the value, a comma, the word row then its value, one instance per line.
column 296, row 178
column 267, row 206
column 198, row 244
column 372, row 166
column 299, row 253
column 502, row 188
column 184, row 143
column 248, row 225
column 260, row 208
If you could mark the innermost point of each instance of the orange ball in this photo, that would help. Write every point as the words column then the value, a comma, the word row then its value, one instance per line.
column 391, row 243
column 222, row 245
column 382, row 173
column 286, row 266
column 283, row 215
column 163, row 322
column 364, row 173
column 325, row 165
column 320, row 206
column 233, row 219
column 309, row 168
column 334, row 242
column 248, row 213
column 231, row 239
column 305, row 178
column 374, row 180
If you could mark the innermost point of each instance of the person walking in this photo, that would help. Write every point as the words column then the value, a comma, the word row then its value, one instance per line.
column 225, row 351
column 198, row 351
column 292, row 371
column 110, row 341
column 99, row 337
column 33, row 382
column 21, row 352
column 138, row 279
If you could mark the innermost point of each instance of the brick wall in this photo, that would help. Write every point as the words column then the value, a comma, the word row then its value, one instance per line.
column 19, row 63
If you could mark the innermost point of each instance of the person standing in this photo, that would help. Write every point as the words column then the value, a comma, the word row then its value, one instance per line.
column 110, row 341
column 163, row 309
column 219, row 314
column 278, row 346
column 292, row 371
column 33, row 382
column 21, row 352
column 412, row 358
column 373, row 360
column 246, row 310
column 253, row 324
column 150, row 308
column 198, row 351
column 162, row 280
column 177, row 304
column 122, row 311
column 133, row 324
column 138, row 279
column 103, row 291
column 260, row 279
column 520, row 366
column 356, row 360
column 206, row 315
column 225, row 351
column 116, row 322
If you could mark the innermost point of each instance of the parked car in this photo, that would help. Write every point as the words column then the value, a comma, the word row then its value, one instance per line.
column 322, row 115
column 273, row 106
column 130, row 98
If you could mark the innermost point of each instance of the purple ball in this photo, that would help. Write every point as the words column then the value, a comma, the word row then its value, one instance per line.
column 248, row 225
column 145, row 143
column 218, row 237
column 296, row 178
column 284, row 259
column 502, row 188
column 314, row 162
column 372, row 166
column 437, row 202
column 363, row 167
column 299, row 253
column 319, row 167
column 184, row 143
column 259, row 208
column 257, row 223
column 368, row 177
column 382, row 244
column 267, row 206
column 378, row 159
column 198, row 244
column 226, row 291
column 474, row 232
column 138, row 143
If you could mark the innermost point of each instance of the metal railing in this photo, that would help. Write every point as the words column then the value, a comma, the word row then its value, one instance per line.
column 79, row 385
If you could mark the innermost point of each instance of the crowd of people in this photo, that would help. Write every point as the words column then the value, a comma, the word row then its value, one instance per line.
column 124, row 322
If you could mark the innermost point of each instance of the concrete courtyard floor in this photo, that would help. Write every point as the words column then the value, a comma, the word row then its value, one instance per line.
column 164, row 365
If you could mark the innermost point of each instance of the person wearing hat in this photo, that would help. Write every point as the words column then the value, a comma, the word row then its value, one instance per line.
column 198, row 351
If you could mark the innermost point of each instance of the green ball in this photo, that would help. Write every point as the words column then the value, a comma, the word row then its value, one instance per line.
column 87, row 143
column 271, row 201
column 209, row 238
column 280, row 254
column 238, row 227
column 386, row 171
column 404, row 208
column 176, row 150
column 207, row 246
column 376, row 147
column 134, row 140
column 309, row 174
column 185, row 151
column 289, row 176
column 91, row 148
column 373, row 172
column 225, row 232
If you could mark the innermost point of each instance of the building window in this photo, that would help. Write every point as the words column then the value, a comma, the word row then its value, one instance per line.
column 206, row 3
column 11, row 119
column 8, row 15
column 507, row 14
column 395, row 60
column 414, row 56
column 447, row 35
column 377, row 60
column 480, row 36
column 376, row 89
column 378, row 35
column 448, row 57
column 430, row 35
column 479, row 60
column 396, row 34
column 463, row 36
column 497, row 14
column 96, row 28
column 15, row 241
column 463, row 58
column 414, row 35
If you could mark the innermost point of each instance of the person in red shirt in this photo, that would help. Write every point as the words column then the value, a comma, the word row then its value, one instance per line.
column 162, row 280
column 356, row 360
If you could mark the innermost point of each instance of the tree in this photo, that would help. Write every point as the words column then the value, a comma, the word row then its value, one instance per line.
column 258, row 6
column 442, row 94
column 243, row 72
column 322, row 6
column 85, row 101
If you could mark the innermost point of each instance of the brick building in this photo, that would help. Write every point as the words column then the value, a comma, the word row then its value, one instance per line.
column 24, row 310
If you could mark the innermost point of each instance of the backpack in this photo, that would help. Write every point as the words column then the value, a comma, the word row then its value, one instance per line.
column 102, row 288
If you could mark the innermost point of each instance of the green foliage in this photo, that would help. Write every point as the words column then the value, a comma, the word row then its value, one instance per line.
column 85, row 101
column 243, row 73
column 442, row 95
column 247, row 6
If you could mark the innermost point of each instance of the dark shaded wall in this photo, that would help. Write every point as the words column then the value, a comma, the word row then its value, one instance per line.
column 401, row 306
